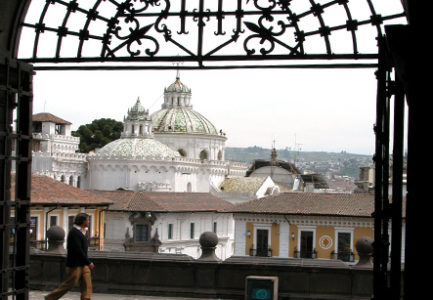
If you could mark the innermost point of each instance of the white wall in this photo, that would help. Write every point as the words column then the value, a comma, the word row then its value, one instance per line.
column 118, row 222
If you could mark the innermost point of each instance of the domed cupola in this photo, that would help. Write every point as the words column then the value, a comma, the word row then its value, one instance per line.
column 137, row 137
column 138, row 122
column 176, row 114
column 137, row 112
column 177, row 87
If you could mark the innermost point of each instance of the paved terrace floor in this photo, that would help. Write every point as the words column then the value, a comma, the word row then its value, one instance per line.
column 39, row 295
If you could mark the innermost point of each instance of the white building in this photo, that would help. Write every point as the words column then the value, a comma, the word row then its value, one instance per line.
column 176, row 219
column 54, row 151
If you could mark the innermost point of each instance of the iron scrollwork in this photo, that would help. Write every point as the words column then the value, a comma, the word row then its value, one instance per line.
column 196, row 31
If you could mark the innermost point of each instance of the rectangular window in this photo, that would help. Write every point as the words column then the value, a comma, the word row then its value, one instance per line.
column 307, row 250
column 53, row 221
column 141, row 233
column 191, row 230
column 58, row 129
column 215, row 227
column 343, row 244
column 262, row 240
column 70, row 222
column 33, row 228
column 170, row 231
column 89, row 229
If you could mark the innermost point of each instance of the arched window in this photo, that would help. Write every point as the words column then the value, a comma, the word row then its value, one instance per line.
column 189, row 187
column 63, row 179
column 220, row 155
column 182, row 152
column 71, row 180
column 78, row 181
column 203, row 155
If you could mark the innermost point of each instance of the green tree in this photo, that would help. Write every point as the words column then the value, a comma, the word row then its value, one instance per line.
column 98, row 133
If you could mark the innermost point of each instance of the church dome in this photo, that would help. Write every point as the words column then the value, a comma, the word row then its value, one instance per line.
column 137, row 147
column 177, row 115
column 181, row 120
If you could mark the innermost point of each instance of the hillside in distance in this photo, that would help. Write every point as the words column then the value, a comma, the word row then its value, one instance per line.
column 331, row 163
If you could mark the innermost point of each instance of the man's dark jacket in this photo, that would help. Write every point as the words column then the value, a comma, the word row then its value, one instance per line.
column 77, row 245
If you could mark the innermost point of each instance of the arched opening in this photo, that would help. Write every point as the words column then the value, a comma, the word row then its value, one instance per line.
column 220, row 155
column 71, row 180
column 182, row 152
column 203, row 155
column 316, row 10
column 189, row 187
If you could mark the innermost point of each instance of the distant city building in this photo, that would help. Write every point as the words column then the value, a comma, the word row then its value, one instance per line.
column 56, row 204
column 137, row 220
column 286, row 175
column 304, row 225
column 54, row 151
column 242, row 189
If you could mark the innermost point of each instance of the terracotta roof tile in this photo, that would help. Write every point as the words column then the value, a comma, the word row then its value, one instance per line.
column 361, row 205
column 47, row 117
column 164, row 201
column 46, row 191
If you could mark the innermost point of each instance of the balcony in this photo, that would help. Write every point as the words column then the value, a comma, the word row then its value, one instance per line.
column 95, row 243
column 305, row 253
column 261, row 252
column 39, row 244
column 346, row 256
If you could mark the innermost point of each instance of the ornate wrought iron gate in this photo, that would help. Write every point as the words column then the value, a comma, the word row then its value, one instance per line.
column 15, row 154
column 150, row 34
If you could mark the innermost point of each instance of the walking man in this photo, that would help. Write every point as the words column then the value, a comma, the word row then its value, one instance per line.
column 78, row 265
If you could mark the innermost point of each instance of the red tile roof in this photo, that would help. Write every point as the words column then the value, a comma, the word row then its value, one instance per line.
column 360, row 205
column 47, row 191
column 164, row 201
column 47, row 117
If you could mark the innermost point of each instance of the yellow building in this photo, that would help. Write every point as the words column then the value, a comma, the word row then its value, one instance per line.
column 304, row 225
column 56, row 203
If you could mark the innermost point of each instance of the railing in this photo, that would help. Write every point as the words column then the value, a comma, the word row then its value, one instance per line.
column 305, row 254
column 263, row 253
column 94, row 243
column 39, row 244
column 346, row 256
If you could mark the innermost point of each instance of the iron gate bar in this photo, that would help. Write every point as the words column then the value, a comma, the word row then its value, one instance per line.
column 381, row 128
column 397, row 191
column 15, row 94
column 117, row 68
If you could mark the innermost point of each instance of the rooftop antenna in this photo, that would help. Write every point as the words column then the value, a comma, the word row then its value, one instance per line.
column 273, row 157
column 178, row 63
column 297, row 147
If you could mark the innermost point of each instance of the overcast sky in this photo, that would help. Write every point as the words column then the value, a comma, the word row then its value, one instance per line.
column 307, row 109
column 322, row 110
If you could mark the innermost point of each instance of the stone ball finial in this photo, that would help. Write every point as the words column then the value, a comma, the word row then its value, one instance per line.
column 208, row 239
column 364, row 247
column 208, row 242
column 56, row 237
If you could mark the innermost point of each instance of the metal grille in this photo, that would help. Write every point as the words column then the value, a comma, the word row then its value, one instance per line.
column 15, row 161
column 390, row 93
column 153, row 33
